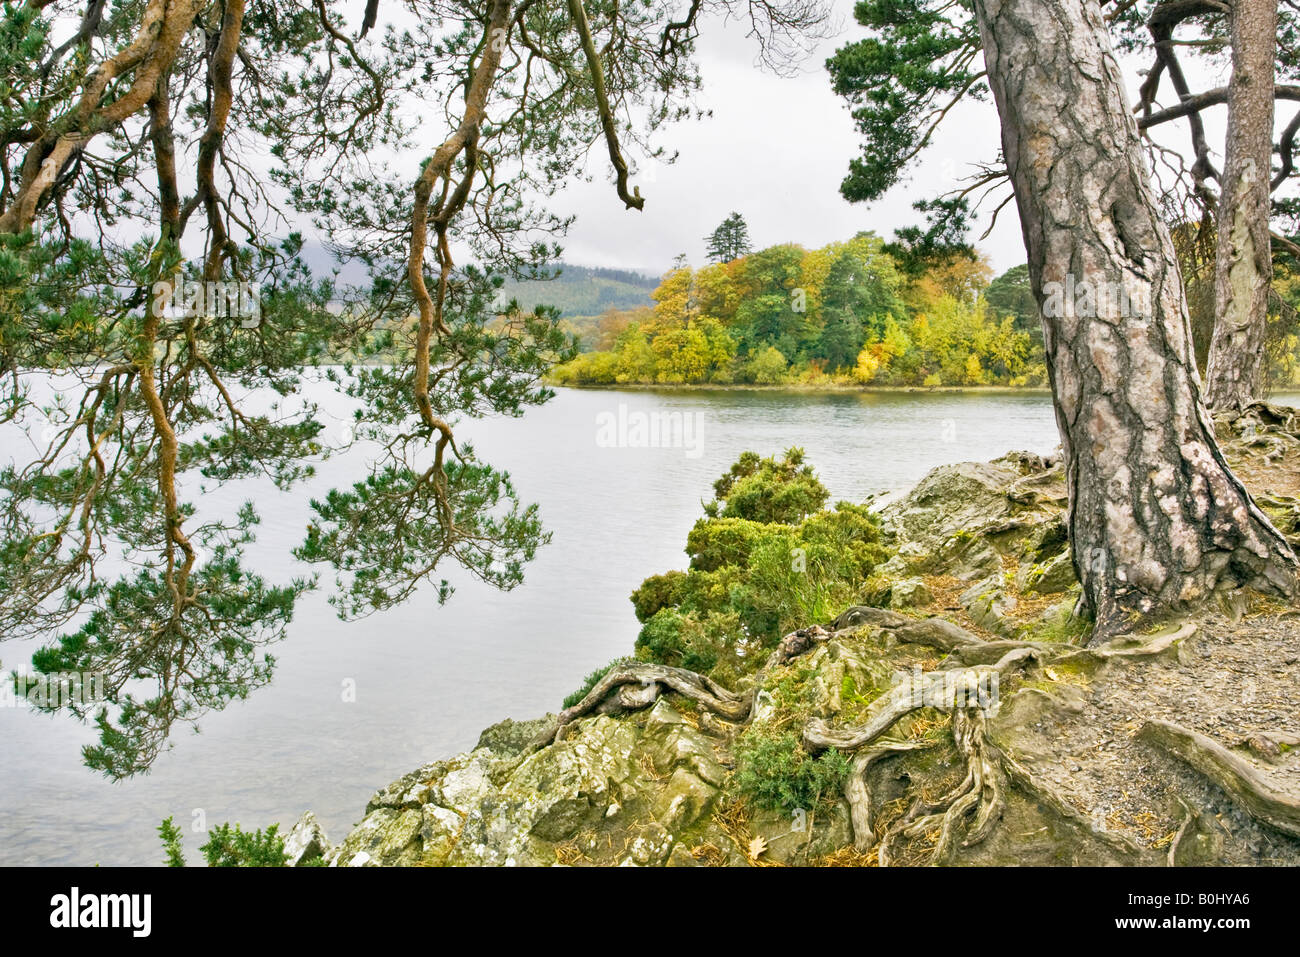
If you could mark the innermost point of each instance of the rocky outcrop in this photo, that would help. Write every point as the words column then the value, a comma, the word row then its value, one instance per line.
column 615, row 791
column 650, row 776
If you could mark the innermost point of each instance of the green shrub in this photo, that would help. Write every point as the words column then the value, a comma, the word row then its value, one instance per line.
column 657, row 591
column 671, row 638
column 715, row 542
column 767, row 368
column 767, row 490
column 774, row 772
column 227, row 846
column 233, row 847
column 171, row 838
column 588, row 368
column 762, row 565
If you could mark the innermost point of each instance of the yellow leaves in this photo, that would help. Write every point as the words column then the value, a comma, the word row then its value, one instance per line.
column 868, row 365
column 674, row 299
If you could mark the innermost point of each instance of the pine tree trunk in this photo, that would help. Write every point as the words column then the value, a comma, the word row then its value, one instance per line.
column 1243, row 265
column 1156, row 519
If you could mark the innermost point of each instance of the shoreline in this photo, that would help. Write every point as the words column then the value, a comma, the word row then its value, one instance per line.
column 803, row 388
column 807, row 389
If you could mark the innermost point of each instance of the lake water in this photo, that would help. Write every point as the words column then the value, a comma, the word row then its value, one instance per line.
column 428, row 679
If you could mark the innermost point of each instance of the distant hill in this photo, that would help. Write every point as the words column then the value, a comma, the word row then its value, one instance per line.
column 584, row 290
column 577, row 291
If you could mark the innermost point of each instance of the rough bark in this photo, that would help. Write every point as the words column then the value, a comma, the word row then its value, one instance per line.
column 1243, row 267
column 1156, row 518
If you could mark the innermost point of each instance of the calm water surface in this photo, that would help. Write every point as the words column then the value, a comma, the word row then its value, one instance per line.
column 428, row 679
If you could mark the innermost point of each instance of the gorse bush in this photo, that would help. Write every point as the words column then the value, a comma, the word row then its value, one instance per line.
column 765, row 560
column 689, row 640
column 768, row 490
column 172, row 843
column 774, row 772
column 233, row 847
column 228, row 846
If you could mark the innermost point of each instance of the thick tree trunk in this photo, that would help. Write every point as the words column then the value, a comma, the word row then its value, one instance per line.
column 1156, row 518
column 1243, row 265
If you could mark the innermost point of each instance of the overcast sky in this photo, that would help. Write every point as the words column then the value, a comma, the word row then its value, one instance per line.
column 775, row 150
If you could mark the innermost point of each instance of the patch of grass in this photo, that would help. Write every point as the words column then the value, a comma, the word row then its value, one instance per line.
column 854, row 701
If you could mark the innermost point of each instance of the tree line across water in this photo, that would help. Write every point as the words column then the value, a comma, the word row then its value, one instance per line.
column 844, row 313
column 859, row 312
column 850, row 313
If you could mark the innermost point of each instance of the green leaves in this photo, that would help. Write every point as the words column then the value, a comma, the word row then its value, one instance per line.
column 767, row 490
column 776, row 773
column 170, row 835
column 399, row 527
column 161, row 662
column 152, row 396
column 765, row 560
column 920, row 57
column 394, row 531
column 235, row 847
column 227, row 846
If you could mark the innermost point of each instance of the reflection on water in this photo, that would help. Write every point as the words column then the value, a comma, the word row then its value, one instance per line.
column 428, row 679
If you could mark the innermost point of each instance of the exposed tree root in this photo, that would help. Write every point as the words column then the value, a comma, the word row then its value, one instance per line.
column 964, row 647
column 639, row 684
column 1236, row 776
column 967, row 689
column 858, row 794
column 981, row 792
column 990, row 652
column 931, row 632
column 1135, row 646
column 966, row 693
column 1189, row 818
column 952, row 690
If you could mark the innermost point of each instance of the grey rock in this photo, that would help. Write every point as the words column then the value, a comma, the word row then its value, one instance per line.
column 305, row 842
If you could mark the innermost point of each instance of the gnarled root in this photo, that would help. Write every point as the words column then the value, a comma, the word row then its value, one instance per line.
column 931, row 632
column 639, row 684
column 966, row 815
column 946, row 690
column 858, row 794
column 967, row 694
column 963, row 647
column 1236, row 776
column 981, row 792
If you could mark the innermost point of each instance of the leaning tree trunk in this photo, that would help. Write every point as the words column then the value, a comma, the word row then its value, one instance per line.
column 1243, row 265
column 1156, row 518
